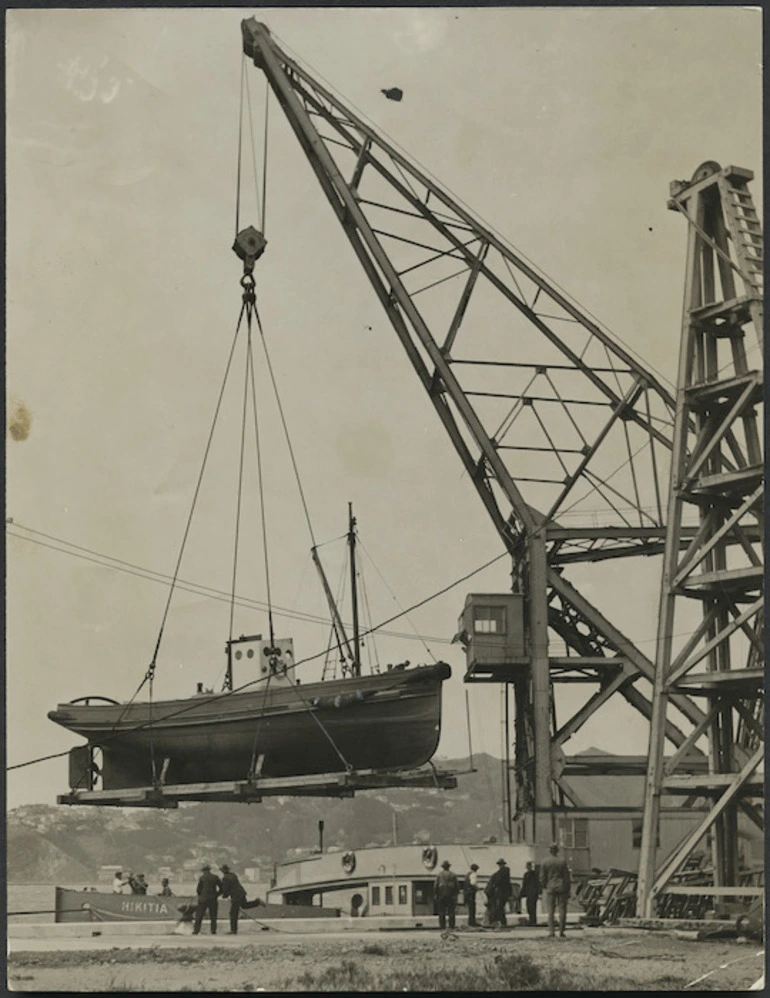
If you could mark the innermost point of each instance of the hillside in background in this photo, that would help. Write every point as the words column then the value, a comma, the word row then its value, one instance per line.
column 48, row 844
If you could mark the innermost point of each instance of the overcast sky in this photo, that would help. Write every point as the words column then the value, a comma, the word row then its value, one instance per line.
column 563, row 127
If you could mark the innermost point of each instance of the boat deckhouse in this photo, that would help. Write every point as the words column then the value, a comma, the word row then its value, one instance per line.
column 391, row 880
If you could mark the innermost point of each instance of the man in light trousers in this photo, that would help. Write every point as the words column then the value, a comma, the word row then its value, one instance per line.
column 556, row 883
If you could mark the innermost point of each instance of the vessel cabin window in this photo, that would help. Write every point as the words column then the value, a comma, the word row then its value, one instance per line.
column 420, row 894
column 402, row 896
column 388, row 895
column 375, row 895
column 489, row 620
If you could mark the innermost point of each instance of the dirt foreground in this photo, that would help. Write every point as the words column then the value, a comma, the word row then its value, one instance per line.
column 588, row 959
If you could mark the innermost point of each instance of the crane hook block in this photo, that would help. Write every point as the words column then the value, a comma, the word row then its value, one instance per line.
column 249, row 246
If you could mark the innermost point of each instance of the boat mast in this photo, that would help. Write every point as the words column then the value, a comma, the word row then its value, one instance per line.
column 356, row 664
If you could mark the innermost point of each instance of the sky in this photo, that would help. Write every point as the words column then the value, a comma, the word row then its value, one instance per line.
column 563, row 127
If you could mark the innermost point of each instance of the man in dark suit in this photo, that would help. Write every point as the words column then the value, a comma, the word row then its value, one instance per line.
column 530, row 891
column 208, row 890
column 499, row 892
column 232, row 888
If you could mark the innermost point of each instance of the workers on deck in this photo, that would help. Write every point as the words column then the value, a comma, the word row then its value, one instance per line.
column 137, row 883
column 445, row 891
column 208, row 890
column 165, row 888
column 118, row 883
column 499, row 892
column 530, row 891
column 470, row 887
column 557, row 884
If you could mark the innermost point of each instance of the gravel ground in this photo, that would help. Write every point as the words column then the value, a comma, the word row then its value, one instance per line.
column 590, row 959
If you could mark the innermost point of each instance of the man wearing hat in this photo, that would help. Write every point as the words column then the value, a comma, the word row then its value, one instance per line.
column 470, row 888
column 232, row 888
column 445, row 891
column 555, row 877
column 499, row 891
column 208, row 890
column 530, row 891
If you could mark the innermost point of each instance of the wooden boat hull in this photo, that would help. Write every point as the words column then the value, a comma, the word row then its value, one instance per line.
column 387, row 721
column 97, row 906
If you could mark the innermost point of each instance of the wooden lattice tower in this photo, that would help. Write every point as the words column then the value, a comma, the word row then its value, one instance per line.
column 710, row 631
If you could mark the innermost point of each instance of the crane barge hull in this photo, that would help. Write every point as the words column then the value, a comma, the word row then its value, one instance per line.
column 390, row 720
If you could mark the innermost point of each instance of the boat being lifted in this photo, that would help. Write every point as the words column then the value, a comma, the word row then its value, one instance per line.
column 268, row 736
column 274, row 734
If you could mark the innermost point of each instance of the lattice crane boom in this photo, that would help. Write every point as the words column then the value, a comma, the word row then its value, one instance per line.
column 552, row 418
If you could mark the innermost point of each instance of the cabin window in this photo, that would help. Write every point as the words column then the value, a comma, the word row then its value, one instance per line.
column 388, row 895
column 636, row 834
column 402, row 898
column 375, row 895
column 573, row 833
column 489, row 620
column 420, row 894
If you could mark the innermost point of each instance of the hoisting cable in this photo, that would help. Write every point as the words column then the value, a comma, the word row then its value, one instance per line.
column 329, row 738
column 264, row 157
column 260, row 202
column 252, row 309
column 260, row 478
column 250, row 375
column 240, row 146
column 253, row 762
column 228, row 683
column 42, row 758
column 285, row 427
column 196, row 492
column 150, row 674
column 254, row 160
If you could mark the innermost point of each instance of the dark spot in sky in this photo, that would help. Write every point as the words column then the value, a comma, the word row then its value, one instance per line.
column 393, row 93
column 650, row 229
column 19, row 421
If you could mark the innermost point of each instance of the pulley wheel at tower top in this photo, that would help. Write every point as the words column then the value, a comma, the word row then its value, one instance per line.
column 706, row 170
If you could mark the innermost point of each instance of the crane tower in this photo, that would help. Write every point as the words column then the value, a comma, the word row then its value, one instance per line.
column 710, row 631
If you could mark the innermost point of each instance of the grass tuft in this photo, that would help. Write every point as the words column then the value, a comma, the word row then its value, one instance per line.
column 375, row 949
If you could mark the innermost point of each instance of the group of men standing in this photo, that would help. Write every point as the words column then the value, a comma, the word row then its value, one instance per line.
column 210, row 888
column 553, row 881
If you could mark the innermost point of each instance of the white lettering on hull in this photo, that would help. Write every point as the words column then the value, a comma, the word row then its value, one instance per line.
column 144, row 907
